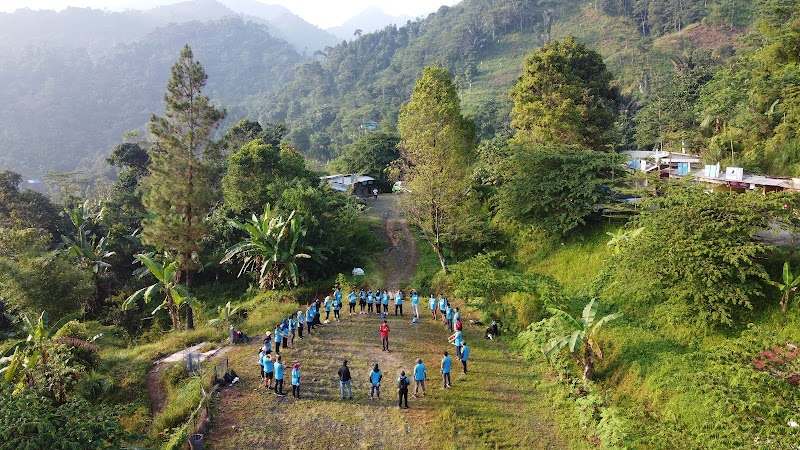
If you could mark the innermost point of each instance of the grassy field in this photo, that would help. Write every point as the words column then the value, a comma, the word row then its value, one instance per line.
column 495, row 405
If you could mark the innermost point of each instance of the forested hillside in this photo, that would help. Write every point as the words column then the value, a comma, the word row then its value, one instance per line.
column 90, row 101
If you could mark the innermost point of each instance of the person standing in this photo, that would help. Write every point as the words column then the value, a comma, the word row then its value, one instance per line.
column 457, row 339
column 279, row 377
column 419, row 377
column 464, row 355
column 351, row 299
column 337, row 296
column 278, row 339
column 300, row 322
column 344, row 381
column 446, row 361
column 337, row 306
column 375, row 193
column 327, row 306
column 442, row 305
column 370, row 301
column 296, row 381
column 402, row 389
column 432, row 306
column 362, row 303
column 353, row 302
column 385, row 301
column 385, row 335
column 415, row 303
column 448, row 316
column 268, row 343
column 309, row 318
column 375, row 377
column 398, row 302
column 269, row 370
column 292, row 330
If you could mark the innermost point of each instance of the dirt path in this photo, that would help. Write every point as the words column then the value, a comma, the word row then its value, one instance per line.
column 401, row 255
column 495, row 405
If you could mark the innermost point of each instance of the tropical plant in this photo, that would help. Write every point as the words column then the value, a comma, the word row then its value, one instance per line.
column 271, row 248
column 83, row 244
column 225, row 313
column 787, row 286
column 583, row 335
column 35, row 361
column 166, row 274
column 621, row 237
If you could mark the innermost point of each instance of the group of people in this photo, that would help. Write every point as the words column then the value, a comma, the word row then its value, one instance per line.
column 284, row 333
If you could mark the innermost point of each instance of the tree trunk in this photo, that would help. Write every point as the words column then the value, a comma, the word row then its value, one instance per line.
column 189, row 312
column 588, row 363
column 437, row 247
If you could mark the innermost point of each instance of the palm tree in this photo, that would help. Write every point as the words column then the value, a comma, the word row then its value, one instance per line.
column 272, row 248
column 788, row 287
column 582, row 335
column 225, row 313
column 357, row 33
column 166, row 274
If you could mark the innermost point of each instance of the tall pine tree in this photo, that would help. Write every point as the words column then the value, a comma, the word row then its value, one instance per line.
column 437, row 148
column 183, row 180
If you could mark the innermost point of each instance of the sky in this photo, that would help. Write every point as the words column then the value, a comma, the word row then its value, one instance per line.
column 323, row 13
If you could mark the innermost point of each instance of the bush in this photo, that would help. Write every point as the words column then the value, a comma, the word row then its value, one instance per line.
column 73, row 329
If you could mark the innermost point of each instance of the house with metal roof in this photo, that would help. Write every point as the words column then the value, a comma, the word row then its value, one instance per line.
column 358, row 185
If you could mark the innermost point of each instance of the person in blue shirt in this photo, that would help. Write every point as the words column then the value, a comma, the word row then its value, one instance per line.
column 269, row 370
column 457, row 339
column 448, row 317
column 285, row 333
column 398, row 302
column 432, row 306
column 337, row 295
column 420, row 375
column 446, row 371
column 415, row 303
column 327, row 306
column 385, row 301
column 457, row 315
column 261, row 362
column 278, row 339
column 301, row 320
column 337, row 306
column 296, row 381
column 309, row 318
column 362, row 302
column 375, row 376
column 292, row 328
column 464, row 355
column 351, row 301
column 442, row 305
column 268, row 343
column 370, row 301
column 279, row 377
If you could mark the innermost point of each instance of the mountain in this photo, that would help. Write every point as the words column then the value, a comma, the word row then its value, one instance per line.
column 282, row 23
column 64, row 109
column 369, row 20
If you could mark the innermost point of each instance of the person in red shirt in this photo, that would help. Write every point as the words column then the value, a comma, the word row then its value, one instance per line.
column 385, row 336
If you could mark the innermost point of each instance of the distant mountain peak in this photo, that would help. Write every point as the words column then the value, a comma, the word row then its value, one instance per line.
column 373, row 18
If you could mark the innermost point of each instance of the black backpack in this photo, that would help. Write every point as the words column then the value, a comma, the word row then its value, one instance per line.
column 403, row 383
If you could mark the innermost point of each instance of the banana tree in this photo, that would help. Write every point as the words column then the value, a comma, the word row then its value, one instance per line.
column 225, row 313
column 622, row 236
column 88, row 249
column 271, row 248
column 18, row 361
column 788, row 285
column 172, row 294
column 582, row 336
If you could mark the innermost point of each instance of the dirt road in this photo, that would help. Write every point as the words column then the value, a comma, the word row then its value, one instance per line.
column 400, row 258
